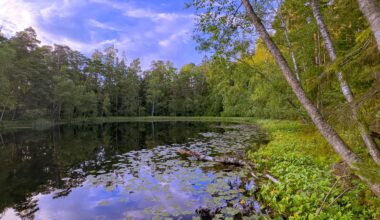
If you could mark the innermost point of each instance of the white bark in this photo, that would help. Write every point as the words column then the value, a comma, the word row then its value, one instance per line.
column 368, row 140
column 153, row 108
column 324, row 128
column 285, row 28
column 327, row 131
column 371, row 11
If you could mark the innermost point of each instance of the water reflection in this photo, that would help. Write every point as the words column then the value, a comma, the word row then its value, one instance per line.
column 115, row 171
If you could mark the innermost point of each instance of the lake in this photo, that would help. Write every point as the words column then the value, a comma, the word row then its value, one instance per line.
column 122, row 170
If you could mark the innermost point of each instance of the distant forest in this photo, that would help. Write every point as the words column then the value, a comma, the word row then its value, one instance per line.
column 60, row 83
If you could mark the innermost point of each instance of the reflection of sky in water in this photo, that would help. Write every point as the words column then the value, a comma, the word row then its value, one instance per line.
column 143, row 184
column 178, row 193
column 89, row 201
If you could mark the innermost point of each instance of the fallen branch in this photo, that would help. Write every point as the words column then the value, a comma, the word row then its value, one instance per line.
column 272, row 178
column 340, row 195
column 327, row 195
column 223, row 160
column 229, row 160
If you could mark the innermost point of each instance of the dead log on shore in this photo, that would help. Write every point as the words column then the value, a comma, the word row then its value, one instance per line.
column 224, row 160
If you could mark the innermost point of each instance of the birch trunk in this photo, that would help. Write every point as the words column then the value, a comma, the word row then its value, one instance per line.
column 368, row 140
column 153, row 108
column 2, row 113
column 324, row 128
column 283, row 25
column 371, row 11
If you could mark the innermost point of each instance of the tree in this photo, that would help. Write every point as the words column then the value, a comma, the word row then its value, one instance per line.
column 31, row 83
column 110, row 74
column 230, row 9
column 129, row 90
column 371, row 10
column 327, row 131
column 7, row 98
column 158, row 87
column 346, row 90
column 66, row 97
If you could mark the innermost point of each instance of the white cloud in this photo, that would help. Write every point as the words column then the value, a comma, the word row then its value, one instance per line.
column 155, row 16
column 132, row 11
column 148, row 33
column 15, row 15
column 101, row 25
column 182, row 36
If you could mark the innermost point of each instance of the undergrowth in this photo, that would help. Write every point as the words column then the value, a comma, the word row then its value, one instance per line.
column 303, row 163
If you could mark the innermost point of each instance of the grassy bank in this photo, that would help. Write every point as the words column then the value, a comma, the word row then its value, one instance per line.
column 307, row 168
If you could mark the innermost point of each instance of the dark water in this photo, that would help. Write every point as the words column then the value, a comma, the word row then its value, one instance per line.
column 119, row 170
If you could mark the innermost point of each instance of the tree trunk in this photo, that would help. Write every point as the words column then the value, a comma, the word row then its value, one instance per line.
column 368, row 140
column 328, row 132
column 283, row 25
column 324, row 128
column 2, row 113
column 59, row 111
column 153, row 108
column 14, row 114
column 371, row 11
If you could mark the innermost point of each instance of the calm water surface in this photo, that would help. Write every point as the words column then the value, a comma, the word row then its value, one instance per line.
column 119, row 170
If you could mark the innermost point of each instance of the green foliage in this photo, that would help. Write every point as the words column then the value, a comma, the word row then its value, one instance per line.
column 299, row 158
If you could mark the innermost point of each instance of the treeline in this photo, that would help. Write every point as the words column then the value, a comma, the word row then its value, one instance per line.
column 60, row 83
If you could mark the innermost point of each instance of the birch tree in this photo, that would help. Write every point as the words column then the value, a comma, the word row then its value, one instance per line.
column 217, row 12
column 346, row 90
column 371, row 11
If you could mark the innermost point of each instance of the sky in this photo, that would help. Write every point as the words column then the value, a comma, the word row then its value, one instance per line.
column 149, row 29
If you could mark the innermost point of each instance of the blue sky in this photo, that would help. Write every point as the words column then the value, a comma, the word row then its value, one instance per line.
column 149, row 29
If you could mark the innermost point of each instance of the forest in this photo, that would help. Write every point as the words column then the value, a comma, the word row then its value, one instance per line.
column 314, row 62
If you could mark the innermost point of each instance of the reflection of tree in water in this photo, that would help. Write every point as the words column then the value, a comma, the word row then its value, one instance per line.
column 34, row 162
